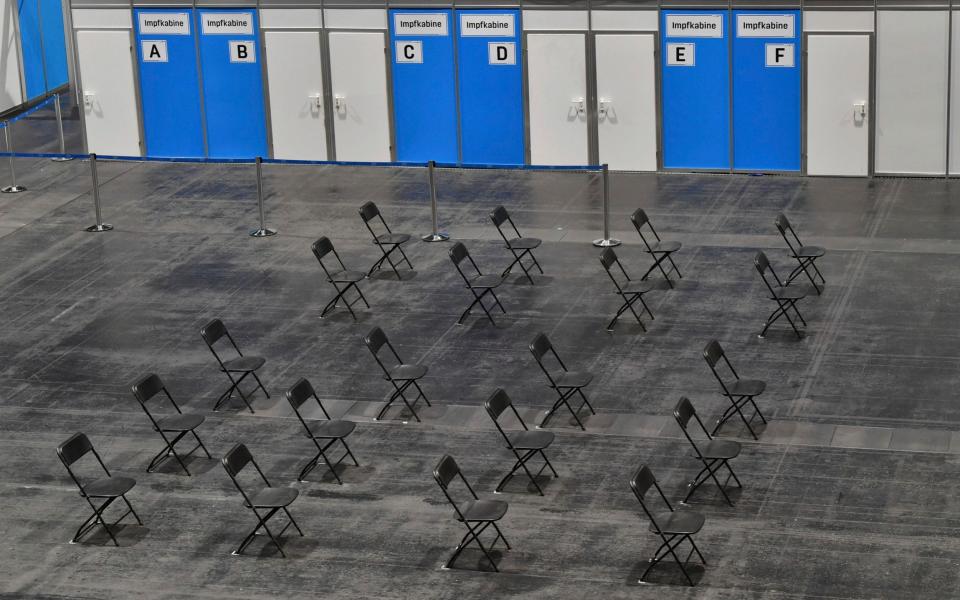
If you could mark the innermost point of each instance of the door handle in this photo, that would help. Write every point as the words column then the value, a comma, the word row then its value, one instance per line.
column 579, row 105
column 859, row 111
column 88, row 99
column 340, row 104
column 604, row 107
column 316, row 101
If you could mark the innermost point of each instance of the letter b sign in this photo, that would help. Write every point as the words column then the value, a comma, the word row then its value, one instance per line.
column 502, row 53
column 242, row 52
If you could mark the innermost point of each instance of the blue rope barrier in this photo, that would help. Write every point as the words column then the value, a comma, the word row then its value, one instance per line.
column 26, row 113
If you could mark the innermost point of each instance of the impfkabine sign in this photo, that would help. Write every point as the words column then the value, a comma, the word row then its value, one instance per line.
column 227, row 23
column 708, row 26
column 487, row 25
column 765, row 26
column 164, row 24
column 420, row 24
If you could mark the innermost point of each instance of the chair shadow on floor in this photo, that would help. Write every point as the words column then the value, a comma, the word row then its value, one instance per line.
column 388, row 275
column 665, row 573
column 127, row 534
column 198, row 465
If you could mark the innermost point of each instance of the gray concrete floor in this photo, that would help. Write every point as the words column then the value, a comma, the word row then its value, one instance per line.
column 849, row 493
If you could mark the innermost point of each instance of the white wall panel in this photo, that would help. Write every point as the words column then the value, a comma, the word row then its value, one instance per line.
column 838, row 20
column 955, row 98
column 355, row 18
column 291, row 18
column 11, row 93
column 624, row 20
column 911, row 92
column 555, row 20
column 107, row 18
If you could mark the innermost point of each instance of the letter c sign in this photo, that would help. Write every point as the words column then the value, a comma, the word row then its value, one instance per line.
column 409, row 52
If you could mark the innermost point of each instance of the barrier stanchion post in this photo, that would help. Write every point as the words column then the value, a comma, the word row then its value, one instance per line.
column 263, row 231
column 606, row 241
column 100, row 225
column 437, row 235
column 63, row 141
column 13, row 188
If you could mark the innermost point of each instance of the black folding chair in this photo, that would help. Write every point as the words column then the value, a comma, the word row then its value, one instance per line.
column 714, row 454
column 106, row 489
column 519, row 246
column 524, row 444
column 475, row 514
column 659, row 250
column 565, row 382
column 740, row 392
column 388, row 242
column 337, row 277
column 479, row 285
column 400, row 374
column 323, row 434
column 674, row 527
column 241, row 365
column 630, row 290
column 172, row 428
column 786, row 298
column 806, row 255
column 264, row 502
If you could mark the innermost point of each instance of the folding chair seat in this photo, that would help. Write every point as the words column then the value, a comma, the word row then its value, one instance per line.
column 673, row 527
column 401, row 375
column 323, row 434
column 388, row 242
column 519, row 246
column 566, row 383
column 99, row 493
column 659, row 250
column 740, row 392
column 525, row 444
column 786, row 298
column 476, row 514
column 714, row 454
column 172, row 428
column 265, row 501
column 806, row 256
column 479, row 285
column 341, row 279
column 240, row 365
column 631, row 291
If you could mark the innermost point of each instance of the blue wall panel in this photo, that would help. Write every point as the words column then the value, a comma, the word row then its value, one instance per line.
column 695, row 89
column 766, row 92
column 54, row 43
column 491, row 87
column 424, row 85
column 169, row 87
column 30, row 44
column 232, row 83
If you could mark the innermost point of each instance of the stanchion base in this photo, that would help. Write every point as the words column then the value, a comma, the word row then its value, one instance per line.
column 13, row 189
column 61, row 159
column 100, row 227
column 607, row 243
column 440, row 236
column 265, row 232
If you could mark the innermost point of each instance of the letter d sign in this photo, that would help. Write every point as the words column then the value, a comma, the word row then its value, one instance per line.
column 242, row 52
column 502, row 53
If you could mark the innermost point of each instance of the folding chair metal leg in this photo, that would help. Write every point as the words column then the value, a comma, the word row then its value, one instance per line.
column 497, row 300
column 226, row 396
column 563, row 400
column 521, row 462
column 775, row 315
column 585, row 402
column 422, row 395
column 735, row 406
column 676, row 269
column 709, row 470
column 658, row 264
column 478, row 299
column 802, row 268
column 260, row 384
column 399, row 393
column 628, row 304
column 473, row 534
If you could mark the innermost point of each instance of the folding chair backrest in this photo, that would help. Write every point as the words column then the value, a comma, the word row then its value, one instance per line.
column 639, row 218
column 213, row 331
column 499, row 216
column 369, row 211
column 298, row 394
column 498, row 403
column 640, row 483
column 74, row 449
column 375, row 340
column 147, row 387
column 446, row 471
column 784, row 226
column 683, row 412
column 608, row 258
column 540, row 346
column 762, row 263
column 458, row 252
column 236, row 460
column 713, row 352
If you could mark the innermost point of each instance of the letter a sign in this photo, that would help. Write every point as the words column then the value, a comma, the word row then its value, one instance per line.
column 154, row 51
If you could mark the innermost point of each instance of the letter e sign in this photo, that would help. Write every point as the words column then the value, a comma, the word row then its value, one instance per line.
column 242, row 51
column 409, row 52
column 154, row 51
column 680, row 55
column 501, row 53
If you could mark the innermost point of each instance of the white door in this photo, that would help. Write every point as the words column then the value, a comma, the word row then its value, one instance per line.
column 108, row 94
column 838, row 104
column 358, row 82
column 296, row 94
column 557, row 84
column 627, row 101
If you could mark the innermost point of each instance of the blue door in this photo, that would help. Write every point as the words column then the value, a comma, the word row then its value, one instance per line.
column 766, row 90
column 54, row 44
column 31, row 45
column 491, row 87
column 169, row 87
column 696, row 89
column 424, row 85
column 232, row 83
